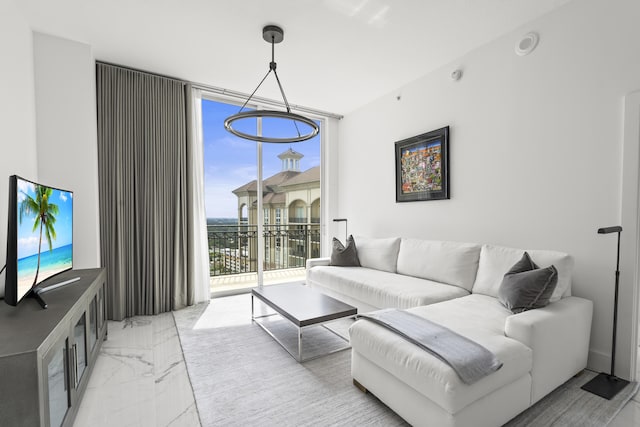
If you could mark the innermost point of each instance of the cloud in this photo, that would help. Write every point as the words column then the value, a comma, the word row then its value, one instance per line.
column 220, row 202
column 232, row 142
column 244, row 174
column 28, row 245
column 63, row 196
column 24, row 188
column 238, row 143
column 313, row 161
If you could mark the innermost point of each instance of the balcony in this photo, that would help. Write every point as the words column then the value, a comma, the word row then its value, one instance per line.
column 233, row 254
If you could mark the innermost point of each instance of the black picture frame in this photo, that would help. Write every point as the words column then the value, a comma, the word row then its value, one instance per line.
column 422, row 167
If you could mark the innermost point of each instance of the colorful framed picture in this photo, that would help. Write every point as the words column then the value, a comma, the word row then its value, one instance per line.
column 422, row 167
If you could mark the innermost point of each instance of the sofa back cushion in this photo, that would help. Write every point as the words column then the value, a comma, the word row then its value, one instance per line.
column 379, row 254
column 446, row 262
column 495, row 261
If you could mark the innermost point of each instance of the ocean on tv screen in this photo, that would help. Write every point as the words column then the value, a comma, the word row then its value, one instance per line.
column 45, row 233
column 51, row 262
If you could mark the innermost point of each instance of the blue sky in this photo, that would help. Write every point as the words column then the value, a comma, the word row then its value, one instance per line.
column 28, row 239
column 230, row 162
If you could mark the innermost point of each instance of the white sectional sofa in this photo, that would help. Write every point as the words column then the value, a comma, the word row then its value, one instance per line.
column 456, row 285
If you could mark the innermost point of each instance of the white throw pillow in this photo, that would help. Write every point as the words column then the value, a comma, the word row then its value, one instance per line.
column 379, row 254
column 495, row 261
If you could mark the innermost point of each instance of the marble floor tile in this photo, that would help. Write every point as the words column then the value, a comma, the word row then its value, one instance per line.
column 117, row 366
column 140, row 378
column 131, row 404
column 135, row 332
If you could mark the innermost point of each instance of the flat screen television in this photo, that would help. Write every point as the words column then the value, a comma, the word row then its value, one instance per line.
column 39, row 237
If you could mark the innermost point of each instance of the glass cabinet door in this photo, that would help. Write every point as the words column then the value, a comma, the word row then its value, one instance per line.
column 79, row 349
column 93, row 326
column 102, row 307
column 57, row 379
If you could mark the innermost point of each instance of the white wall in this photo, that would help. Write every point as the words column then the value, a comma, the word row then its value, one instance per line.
column 66, row 135
column 536, row 150
column 17, row 110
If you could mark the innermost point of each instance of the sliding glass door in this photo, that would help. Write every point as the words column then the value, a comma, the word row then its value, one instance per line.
column 243, row 254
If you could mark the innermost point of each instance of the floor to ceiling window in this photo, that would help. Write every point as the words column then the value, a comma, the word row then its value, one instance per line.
column 291, row 201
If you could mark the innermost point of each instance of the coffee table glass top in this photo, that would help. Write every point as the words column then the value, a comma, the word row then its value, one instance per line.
column 302, row 305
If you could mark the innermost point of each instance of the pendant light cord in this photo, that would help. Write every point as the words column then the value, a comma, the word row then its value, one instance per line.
column 285, row 99
column 255, row 90
column 272, row 67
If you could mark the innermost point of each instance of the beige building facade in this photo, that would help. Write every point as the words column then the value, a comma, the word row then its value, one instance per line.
column 291, row 208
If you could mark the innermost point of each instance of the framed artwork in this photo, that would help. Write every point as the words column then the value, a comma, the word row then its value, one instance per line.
column 422, row 167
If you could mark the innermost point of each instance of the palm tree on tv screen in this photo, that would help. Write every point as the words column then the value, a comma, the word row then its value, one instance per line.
column 45, row 219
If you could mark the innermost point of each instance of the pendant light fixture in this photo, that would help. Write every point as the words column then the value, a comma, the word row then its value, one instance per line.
column 272, row 34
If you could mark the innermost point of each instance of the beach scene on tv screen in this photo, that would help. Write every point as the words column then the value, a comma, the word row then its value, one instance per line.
column 45, row 233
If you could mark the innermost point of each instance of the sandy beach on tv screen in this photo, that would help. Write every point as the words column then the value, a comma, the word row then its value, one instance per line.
column 25, row 283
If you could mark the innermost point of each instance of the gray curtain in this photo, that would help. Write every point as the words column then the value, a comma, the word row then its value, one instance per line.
column 142, row 161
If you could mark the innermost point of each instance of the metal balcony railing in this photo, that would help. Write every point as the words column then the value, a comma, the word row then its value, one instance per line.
column 233, row 249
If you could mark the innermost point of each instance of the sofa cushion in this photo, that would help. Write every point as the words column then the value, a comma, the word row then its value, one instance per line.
column 379, row 254
column 447, row 262
column 495, row 261
column 344, row 256
column 526, row 286
column 477, row 317
column 381, row 289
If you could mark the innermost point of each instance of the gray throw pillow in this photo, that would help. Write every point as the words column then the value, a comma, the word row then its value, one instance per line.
column 342, row 256
column 526, row 286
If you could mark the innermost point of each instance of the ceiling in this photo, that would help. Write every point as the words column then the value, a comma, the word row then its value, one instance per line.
column 337, row 55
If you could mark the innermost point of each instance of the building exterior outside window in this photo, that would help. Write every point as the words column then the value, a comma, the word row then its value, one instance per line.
column 292, row 198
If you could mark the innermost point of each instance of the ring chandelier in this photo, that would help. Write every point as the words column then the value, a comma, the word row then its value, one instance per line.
column 272, row 34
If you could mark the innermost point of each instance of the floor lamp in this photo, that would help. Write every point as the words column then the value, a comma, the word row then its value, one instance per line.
column 346, row 234
column 608, row 385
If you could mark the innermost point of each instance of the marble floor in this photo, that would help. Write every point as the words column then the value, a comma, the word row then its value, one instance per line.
column 140, row 378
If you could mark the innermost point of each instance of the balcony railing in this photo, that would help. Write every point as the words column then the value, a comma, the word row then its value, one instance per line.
column 294, row 220
column 233, row 249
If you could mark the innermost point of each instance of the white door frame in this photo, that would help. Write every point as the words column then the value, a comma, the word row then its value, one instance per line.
column 627, row 338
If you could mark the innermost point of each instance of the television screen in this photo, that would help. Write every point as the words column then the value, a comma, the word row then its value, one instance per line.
column 40, row 243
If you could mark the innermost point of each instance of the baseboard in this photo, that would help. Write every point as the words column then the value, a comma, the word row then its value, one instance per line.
column 599, row 361
column 229, row 293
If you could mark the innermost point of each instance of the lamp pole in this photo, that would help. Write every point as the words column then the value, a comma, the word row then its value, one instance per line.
column 615, row 309
column 608, row 385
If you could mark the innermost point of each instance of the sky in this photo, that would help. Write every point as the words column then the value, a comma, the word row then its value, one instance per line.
column 27, row 239
column 230, row 162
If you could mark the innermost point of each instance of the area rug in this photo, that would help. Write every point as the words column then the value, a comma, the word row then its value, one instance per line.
column 241, row 376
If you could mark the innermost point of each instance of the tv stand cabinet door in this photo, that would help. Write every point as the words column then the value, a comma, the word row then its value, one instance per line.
column 56, row 384
column 78, row 354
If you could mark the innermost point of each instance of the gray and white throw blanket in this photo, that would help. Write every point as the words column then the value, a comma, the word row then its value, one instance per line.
column 470, row 360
